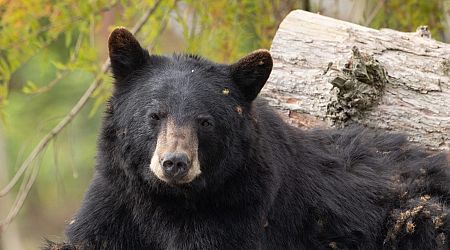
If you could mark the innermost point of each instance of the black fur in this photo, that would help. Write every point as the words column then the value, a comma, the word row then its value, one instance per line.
column 264, row 184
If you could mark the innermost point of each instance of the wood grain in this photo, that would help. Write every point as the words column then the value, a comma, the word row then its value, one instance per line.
column 416, row 100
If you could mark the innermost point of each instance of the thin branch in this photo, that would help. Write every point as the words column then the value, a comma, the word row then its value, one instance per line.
column 51, row 84
column 374, row 12
column 144, row 18
column 49, row 136
column 57, row 129
column 162, row 27
column 22, row 195
column 76, row 50
column 65, row 72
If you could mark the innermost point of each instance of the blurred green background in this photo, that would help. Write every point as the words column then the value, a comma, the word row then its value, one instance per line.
column 51, row 51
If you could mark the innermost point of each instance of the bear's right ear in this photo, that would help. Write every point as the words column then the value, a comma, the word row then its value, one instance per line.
column 251, row 72
column 125, row 52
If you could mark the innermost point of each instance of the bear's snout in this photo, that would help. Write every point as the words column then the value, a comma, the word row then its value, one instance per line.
column 175, row 165
column 175, row 159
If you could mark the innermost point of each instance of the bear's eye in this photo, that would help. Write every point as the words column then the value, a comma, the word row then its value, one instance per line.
column 205, row 123
column 155, row 117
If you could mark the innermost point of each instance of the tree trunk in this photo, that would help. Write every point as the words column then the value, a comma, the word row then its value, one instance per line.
column 329, row 72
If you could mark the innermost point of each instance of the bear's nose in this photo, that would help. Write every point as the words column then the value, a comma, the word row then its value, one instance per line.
column 175, row 165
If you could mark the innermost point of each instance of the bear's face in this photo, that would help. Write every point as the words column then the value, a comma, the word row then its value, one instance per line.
column 182, row 120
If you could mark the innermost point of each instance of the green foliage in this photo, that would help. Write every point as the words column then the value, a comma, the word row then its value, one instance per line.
column 227, row 30
column 29, row 27
column 407, row 15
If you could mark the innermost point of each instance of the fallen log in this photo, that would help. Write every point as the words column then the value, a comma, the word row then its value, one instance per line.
column 329, row 72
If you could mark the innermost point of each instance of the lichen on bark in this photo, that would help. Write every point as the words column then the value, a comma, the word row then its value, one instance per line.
column 446, row 67
column 358, row 87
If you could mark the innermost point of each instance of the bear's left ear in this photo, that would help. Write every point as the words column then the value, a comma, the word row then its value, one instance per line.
column 251, row 72
column 125, row 52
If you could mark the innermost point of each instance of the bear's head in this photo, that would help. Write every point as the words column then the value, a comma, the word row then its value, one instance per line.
column 179, row 121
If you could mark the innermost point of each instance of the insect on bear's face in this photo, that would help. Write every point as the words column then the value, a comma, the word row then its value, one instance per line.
column 182, row 118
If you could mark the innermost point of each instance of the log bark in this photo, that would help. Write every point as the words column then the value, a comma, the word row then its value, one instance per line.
column 329, row 72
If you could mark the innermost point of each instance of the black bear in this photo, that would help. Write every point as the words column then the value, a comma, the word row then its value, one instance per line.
column 189, row 158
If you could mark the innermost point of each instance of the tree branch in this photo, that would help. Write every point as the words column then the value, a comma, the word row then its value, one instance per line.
column 65, row 72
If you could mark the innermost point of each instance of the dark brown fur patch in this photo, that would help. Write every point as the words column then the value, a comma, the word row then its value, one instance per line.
column 259, row 57
column 121, row 38
column 251, row 72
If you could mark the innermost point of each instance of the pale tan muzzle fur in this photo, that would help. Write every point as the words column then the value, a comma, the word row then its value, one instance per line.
column 176, row 139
